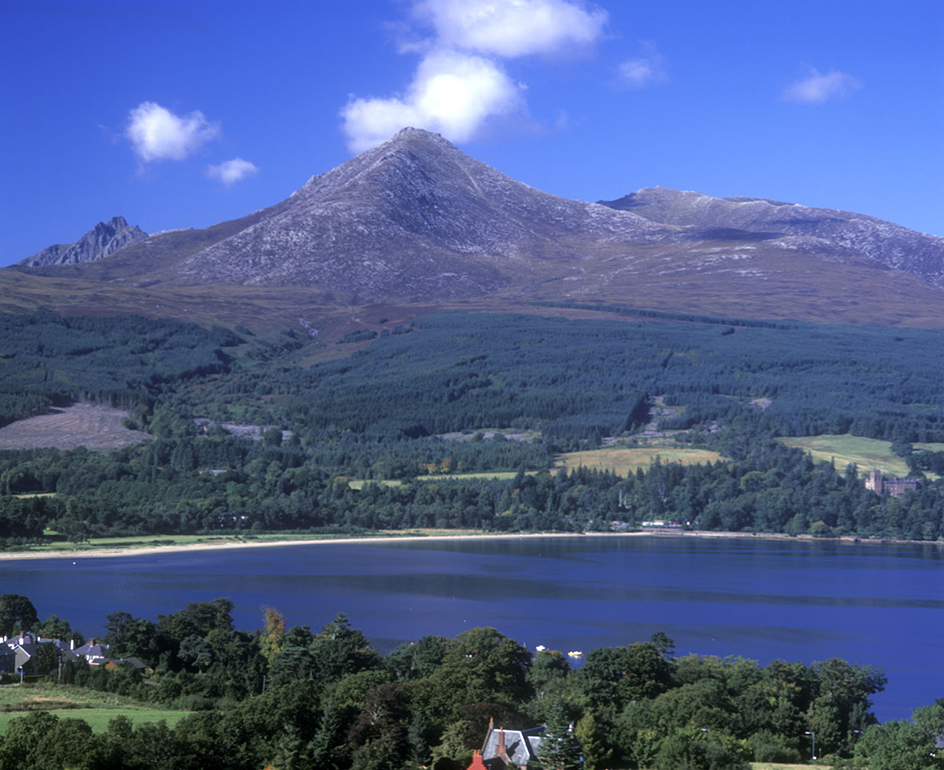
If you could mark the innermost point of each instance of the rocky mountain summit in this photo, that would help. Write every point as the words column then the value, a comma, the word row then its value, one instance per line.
column 415, row 217
column 101, row 241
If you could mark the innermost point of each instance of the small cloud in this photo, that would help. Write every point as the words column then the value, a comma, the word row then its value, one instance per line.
column 232, row 171
column 817, row 88
column 646, row 69
column 452, row 94
column 511, row 28
column 156, row 133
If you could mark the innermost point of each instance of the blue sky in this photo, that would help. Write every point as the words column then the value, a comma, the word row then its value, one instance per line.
column 183, row 114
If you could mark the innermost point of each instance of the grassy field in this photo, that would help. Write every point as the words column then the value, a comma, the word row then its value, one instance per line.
column 502, row 475
column 96, row 708
column 361, row 483
column 625, row 460
column 98, row 719
column 778, row 766
column 866, row 453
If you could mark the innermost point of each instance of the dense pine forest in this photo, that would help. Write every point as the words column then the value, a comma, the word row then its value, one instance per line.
column 411, row 412
column 290, row 698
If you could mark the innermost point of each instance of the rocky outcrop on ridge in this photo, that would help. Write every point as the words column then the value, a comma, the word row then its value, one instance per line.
column 101, row 241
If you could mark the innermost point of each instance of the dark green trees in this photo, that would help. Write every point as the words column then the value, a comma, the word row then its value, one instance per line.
column 559, row 748
column 17, row 615
column 905, row 744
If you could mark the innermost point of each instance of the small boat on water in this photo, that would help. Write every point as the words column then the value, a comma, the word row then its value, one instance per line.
column 575, row 654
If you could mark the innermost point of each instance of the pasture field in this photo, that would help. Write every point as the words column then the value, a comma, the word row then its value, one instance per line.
column 96, row 708
column 866, row 453
column 626, row 460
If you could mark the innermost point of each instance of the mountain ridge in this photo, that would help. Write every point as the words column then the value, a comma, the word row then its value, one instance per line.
column 885, row 242
column 417, row 221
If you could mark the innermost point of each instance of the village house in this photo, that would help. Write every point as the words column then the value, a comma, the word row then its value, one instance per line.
column 17, row 651
column 509, row 747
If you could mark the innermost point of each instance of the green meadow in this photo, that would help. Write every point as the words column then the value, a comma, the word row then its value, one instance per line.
column 66, row 702
column 866, row 453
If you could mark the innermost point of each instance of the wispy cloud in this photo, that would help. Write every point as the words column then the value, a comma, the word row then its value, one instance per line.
column 644, row 70
column 231, row 171
column 818, row 87
column 156, row 133
column 460, row 82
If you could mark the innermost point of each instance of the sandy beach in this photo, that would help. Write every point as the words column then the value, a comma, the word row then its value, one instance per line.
column 232, row 544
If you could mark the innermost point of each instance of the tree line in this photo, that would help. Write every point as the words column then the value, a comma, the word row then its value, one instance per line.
column 221, row 484
column 292, row 697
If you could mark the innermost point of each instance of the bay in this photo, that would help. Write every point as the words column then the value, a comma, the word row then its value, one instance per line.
column 871, row 604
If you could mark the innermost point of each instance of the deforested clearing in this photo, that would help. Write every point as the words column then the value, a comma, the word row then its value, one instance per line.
column 93, row 426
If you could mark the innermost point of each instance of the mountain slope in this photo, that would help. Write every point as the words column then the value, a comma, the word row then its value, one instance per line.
column 101, row 241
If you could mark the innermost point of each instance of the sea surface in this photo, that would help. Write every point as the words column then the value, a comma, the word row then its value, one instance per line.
column 871, row 604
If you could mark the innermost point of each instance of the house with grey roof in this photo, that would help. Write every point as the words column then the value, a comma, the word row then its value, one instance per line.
column 510, row 747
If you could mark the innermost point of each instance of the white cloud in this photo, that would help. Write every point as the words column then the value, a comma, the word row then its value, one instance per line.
column 232, row 171
column 156, row 133
column 645, row 70
column 817, row 88
column 460, row 82
column 511, row 28
column 451, row 93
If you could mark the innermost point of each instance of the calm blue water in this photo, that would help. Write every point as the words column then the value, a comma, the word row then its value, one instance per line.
column 880, row 605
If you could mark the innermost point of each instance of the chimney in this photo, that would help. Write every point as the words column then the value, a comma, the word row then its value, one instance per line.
column 72, row 644
column 500, row 750
column 477, row 763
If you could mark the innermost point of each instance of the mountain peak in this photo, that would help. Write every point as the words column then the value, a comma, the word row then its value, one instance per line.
column 413, row 217
column 101, row 241
column 409, row 132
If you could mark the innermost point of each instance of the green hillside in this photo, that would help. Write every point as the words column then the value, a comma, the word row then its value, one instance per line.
column 486, row 402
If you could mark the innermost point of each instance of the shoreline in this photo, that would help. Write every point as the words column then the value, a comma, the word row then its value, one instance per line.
column 105, row 551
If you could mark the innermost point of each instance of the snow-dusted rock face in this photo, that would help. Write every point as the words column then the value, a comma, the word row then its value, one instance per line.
column 101, row 241
column 830, row 232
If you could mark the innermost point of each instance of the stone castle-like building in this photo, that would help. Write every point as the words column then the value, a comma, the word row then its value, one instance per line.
column 896, row 487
